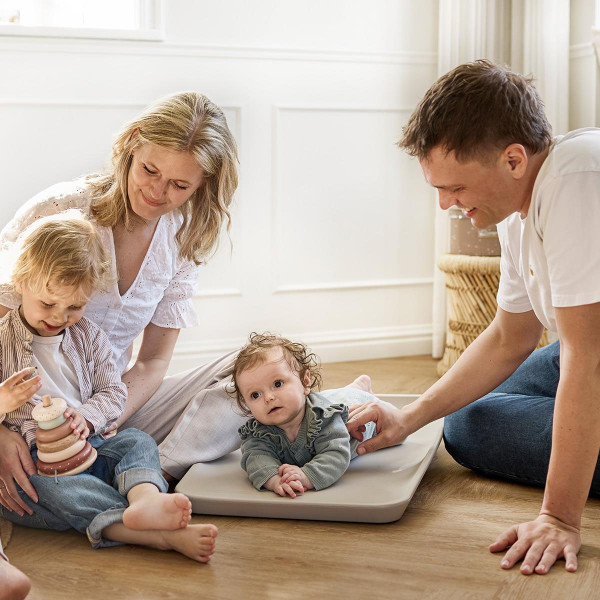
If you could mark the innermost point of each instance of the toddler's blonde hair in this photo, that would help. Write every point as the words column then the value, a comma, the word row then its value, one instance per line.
column 298, row 356
column 62, row 250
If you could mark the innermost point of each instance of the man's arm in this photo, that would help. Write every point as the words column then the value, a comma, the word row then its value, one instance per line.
column 484, row 365
column 575, row 444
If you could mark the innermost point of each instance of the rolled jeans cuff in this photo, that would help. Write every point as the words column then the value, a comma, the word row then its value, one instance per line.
column 99, row 523
column 132, row 477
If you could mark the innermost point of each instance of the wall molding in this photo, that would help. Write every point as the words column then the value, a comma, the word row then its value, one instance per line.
column 141, row 48
column 354, row 285
column 332, row 346
column 278, row 288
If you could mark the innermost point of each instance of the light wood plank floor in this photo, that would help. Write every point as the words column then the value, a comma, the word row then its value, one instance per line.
column 438, row 550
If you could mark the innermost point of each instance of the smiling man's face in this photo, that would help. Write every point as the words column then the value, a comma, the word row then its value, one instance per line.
column 485, row 192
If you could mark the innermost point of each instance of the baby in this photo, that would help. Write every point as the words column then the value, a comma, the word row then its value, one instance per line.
column 297, row 439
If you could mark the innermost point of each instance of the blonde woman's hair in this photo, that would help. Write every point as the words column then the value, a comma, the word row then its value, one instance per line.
column 61, row 250
column 298, row 356
column 185, row 122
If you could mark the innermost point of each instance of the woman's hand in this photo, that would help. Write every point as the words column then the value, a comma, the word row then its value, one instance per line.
column 389, row 424
column 78, row 423
column 15, row 464
column 289, row 473
column 539, row 543
column 17, row 389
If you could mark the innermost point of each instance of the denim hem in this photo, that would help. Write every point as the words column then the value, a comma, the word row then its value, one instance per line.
column 132, row 477
column 99, row 523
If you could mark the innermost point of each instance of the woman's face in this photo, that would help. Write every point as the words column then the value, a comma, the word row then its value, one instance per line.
column 161, row 180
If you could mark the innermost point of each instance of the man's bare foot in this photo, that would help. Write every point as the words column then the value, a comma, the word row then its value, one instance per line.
column 158, row 511
column 14, row 585
column 362, row 383
column 195, row 541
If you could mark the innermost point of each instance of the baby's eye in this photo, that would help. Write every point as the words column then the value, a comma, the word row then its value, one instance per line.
column 254, row 395
column 46, row 305
column 278, row 383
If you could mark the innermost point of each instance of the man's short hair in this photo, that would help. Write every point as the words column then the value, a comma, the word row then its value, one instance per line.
column 475, row 110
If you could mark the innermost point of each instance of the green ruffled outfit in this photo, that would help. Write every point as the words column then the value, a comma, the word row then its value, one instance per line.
column 323, row 448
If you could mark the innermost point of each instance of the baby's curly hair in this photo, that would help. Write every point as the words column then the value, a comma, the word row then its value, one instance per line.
column 298, row 356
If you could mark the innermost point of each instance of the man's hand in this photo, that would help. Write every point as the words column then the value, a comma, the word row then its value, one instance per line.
column 540, row 543
column 291, row 489
column 15, row 465
column 388, row 421
column 17, row 389
column 290, row 473
column 78, row 424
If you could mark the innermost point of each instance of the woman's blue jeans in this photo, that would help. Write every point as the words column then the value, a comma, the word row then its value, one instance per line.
column 96, row 498
column 508, row 433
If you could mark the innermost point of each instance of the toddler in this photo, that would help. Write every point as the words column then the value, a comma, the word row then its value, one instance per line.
column 48, row 347
column 297, row 439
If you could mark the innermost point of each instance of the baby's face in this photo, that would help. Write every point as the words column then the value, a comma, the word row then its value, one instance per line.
column 273, row 391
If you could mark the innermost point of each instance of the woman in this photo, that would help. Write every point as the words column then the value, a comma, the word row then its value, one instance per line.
column 159, row 209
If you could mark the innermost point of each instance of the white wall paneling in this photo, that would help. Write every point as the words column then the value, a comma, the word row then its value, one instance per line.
column 332, row 226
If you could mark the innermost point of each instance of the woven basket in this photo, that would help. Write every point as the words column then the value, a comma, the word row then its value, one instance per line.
column 472, row 284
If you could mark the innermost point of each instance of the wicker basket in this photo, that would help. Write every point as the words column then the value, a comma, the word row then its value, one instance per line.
column 472, row 284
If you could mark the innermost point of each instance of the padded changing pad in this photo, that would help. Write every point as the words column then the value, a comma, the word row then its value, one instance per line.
column 376, row 488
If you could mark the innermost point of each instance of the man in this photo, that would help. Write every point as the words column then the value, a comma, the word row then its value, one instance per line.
column 483, row 141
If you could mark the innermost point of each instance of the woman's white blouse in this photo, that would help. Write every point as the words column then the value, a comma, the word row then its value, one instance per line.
column 161, row 293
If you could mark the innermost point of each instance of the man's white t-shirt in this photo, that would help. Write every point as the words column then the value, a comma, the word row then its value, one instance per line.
column 552, row 257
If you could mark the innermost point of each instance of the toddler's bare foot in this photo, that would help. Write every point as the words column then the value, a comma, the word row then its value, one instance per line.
column 14, row 585
column 158, row 511
column 195, row 541
column 362, row 383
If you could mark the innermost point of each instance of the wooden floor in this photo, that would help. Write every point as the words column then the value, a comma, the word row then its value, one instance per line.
column 438, row 550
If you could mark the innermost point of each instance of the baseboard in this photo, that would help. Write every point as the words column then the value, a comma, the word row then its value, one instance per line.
column 338, row 346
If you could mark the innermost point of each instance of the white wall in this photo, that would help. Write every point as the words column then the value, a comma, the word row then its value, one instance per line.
column 332, row 225
column 584, row 101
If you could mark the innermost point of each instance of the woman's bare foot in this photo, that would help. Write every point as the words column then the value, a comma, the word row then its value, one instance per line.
column 14, row 585
column 362, row 383
column 158, row 511
column 195, row 541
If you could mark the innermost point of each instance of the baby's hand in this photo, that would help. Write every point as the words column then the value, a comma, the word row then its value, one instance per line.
column 78, row 423
column 18, row 388
column 289, row 473
column 291, row 489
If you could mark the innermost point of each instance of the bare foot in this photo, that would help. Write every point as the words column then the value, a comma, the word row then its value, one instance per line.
column 195, row 541
column 362, row 383
column 158, row 511
column 14, row 585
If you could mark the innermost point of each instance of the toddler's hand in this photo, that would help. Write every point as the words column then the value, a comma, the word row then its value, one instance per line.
column 17, row 389
column 290, row 473
column 78, row 423
column 291, row 489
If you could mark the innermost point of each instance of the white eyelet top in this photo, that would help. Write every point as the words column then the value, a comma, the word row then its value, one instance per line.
column 161, row 293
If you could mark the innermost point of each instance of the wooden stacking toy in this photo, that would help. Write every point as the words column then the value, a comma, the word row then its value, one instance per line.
column 60, row 450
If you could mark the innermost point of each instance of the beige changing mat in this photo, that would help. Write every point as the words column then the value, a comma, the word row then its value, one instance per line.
column 376, row 488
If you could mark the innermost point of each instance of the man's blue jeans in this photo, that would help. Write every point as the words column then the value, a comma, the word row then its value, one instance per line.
column 96, row 498
column 508, row 433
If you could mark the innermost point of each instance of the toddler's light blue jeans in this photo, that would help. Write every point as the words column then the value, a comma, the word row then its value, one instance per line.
column 508, row 433
column 96, row 498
